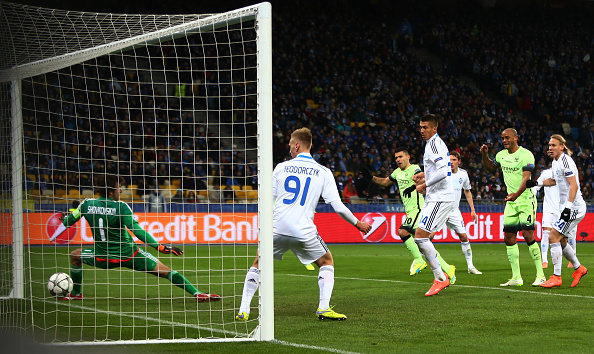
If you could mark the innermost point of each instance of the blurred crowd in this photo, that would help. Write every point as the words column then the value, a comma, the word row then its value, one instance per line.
column 359, row 83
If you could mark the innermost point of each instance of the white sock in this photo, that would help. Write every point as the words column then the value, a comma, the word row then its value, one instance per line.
column 572, row 243
column 250, row 285
column 569, row 253
column 467, row 253
column 426, row 247
column 557, row 257
column 544, row 245
column 326, row 284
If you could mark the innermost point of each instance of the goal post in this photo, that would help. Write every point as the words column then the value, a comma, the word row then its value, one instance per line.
column 180, row 108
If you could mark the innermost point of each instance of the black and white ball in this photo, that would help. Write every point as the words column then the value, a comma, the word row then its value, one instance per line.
column 60, row 284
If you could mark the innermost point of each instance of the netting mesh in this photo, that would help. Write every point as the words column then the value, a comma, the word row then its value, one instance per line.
column 31, row 33
column 176, row 120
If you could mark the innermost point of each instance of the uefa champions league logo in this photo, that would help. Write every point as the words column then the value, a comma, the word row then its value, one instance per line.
column 52, row 224
column 379, row 227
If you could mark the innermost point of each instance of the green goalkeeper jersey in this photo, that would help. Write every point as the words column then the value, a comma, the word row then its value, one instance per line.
column 110, row 221
column 513, row 167
column 404, row 180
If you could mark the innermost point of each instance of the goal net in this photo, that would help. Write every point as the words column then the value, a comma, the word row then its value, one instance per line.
column 179, row 108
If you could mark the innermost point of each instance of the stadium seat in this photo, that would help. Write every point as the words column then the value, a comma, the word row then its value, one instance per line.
column 48, row 193
column 575, row 133
column 87, row 193
column 252, row 196
column 176, row 183
column 240, row 194
column 73, row 194
column 127, row 195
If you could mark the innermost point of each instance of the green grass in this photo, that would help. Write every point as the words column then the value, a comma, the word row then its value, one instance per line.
column 386, row 308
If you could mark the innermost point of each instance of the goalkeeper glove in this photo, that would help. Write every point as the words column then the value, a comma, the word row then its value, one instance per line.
column 366, row 173
column 167, row 250
column 565, row 214
column 408, row 191
column 531, row 183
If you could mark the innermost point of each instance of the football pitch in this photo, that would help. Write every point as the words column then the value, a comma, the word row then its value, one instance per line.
column 386, row 308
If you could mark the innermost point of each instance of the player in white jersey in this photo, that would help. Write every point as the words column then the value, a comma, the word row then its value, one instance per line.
column 455, row 222
column 550, row 212
column 572, row 207
column 436, row 183
column 297, row 185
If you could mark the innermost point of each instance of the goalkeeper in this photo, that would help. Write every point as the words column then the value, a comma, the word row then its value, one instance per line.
column 110, row 220
column 413, row 202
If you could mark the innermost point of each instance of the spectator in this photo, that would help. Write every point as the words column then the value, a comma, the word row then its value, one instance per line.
column 215, row 195
column 350, row 192
column 156, row 201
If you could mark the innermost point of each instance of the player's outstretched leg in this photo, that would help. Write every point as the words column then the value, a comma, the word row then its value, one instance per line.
column 250, row 285
column 180, row 281
column 76, row 273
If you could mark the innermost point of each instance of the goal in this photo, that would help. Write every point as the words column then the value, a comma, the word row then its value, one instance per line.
column 179, row 107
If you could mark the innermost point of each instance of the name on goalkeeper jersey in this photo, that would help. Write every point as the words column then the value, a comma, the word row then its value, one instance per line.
column 93, row 209
column 302, row 170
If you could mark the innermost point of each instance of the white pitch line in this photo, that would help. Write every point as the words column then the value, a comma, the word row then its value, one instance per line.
column 280, row 342
column 146, row 318
column 457, row 286
column 296, row 345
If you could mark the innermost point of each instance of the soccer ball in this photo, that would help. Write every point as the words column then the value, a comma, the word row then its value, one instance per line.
column 60, row 284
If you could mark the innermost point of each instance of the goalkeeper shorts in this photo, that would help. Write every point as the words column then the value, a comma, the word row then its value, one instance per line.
column 141, row 260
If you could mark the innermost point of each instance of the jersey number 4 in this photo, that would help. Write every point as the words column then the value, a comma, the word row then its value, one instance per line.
column 295, row 189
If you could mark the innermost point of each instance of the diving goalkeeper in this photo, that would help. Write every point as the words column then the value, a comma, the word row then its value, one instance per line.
column 110, row 220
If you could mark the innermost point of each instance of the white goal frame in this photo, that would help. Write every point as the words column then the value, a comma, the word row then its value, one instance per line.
column 262, row 14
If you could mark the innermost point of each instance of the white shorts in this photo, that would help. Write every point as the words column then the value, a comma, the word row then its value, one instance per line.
column 307, row 251
column 569, row 228
column 435, row 214
column 548, row 219
column 456, row 222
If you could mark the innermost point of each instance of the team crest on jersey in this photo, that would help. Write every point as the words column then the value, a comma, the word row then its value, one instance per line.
column 460, row 180
column 516, row 159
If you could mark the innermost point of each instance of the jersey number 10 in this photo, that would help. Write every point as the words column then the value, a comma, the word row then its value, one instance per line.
column 296, row 189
